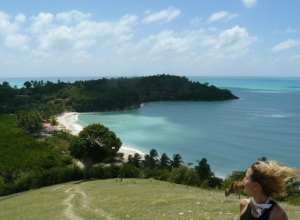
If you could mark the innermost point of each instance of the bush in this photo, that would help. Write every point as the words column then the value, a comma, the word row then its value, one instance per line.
column 67, row 160
column 39, row 178
column 215, row 182
column 129, row 171
column 146, row 173
column 160, row 174
column 105, row 172
column 177, row 175
column 205, row 184
column 191, row 178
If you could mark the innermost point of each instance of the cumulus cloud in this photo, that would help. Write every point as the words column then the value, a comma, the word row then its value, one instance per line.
column 125, row 24
column 42, row 22
column 6, row 26
column 232, row 42
column 70, row 16
column 163, row 16
column 20, row 18
column 222, row 15
column 290, row 43
column 16, row 41
column 249, row 3
column 167, row 41
column 75, row 30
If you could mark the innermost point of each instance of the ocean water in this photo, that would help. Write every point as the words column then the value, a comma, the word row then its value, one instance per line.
column 232, row 134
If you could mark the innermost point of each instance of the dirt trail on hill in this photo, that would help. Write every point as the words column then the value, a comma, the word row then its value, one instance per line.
column 74, row 192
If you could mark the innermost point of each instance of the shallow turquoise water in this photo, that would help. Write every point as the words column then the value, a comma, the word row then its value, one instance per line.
column 230, row 134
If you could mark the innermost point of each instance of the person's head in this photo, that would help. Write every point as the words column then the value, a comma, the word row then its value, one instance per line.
column 269, row 178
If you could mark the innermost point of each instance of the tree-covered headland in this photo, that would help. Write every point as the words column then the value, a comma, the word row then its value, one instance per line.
column 105, row 94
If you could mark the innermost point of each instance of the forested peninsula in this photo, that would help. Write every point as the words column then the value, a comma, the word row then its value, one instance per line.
column 106, row 94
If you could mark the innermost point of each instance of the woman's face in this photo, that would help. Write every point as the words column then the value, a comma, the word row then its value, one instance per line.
column 249, row 184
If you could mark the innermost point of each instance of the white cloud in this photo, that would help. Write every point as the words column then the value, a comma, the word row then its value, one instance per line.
column 59, row 38
column 164, row 15
column 38, row 56
column 124, row 25
column 222, row 15
column 249, row 3
column 7, row 27
column 20, row 18
column 70, row 16
column 170, row 44
column 232, row 43
column 290, row 43
column 227, row 44
column 16, row 41
column 196, row 21
column 83, row 33
column 289, row 30
column 42, row 22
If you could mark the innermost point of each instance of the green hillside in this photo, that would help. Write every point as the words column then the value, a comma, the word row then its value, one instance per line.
column 126, row 199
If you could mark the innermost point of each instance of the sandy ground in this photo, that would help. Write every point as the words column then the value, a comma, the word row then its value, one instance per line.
column 65, row 124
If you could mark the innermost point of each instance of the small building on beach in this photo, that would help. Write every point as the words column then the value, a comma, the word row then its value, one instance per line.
column 49, row 128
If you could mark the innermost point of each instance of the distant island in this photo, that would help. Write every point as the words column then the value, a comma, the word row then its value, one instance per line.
column 106, row 94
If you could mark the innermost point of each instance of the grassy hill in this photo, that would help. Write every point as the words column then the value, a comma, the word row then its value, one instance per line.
column 126, row 199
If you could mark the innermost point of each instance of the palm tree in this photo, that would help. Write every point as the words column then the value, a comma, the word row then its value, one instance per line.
column 176, row 162
column 136, row 160
column 165, row 161
column 151, row 159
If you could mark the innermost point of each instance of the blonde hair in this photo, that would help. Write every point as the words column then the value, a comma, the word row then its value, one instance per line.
column 272, row 176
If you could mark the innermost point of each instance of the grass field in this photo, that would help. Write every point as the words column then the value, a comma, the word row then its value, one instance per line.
column 126, row 199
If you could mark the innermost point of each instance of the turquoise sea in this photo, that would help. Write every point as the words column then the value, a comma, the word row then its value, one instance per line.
column 265, row 121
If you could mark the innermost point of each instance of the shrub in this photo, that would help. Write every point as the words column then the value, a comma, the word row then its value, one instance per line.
column 215, row 182
column 105, row 172
column 205, row 184
column 146, row 173
column 177, row 175
column 129, row 171
column 160, row 174
column 191, row 177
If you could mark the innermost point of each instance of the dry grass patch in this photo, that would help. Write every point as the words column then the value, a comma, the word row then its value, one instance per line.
column 129, row 199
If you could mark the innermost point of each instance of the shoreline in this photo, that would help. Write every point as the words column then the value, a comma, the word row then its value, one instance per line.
column 67, row 120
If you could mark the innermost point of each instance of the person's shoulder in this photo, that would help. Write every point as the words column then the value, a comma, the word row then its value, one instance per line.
column 244, row 202
column 278, row 213
column 243, row 205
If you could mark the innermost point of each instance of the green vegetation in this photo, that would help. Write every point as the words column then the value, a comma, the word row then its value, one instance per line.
column 126, row 199
column 28, row 163
column 95, row 144
column 104, row 94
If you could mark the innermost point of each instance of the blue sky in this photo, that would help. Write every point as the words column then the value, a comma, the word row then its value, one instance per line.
column 135, row 38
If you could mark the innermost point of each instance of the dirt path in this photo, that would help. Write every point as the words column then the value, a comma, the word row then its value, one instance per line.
column 69, row 210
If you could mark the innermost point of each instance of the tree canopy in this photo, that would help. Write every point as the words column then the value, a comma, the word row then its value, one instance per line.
column 95, row 144
column 106, row 94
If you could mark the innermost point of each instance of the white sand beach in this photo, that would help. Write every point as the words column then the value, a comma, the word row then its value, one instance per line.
column 65, row 124
column 66, row 121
